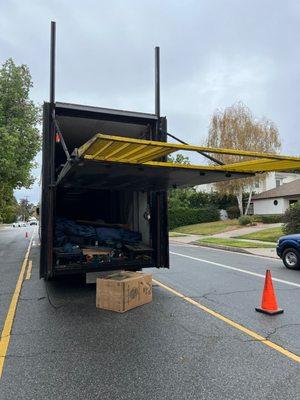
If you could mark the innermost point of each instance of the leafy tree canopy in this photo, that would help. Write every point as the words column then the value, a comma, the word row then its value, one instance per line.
column 19, row 134
column 237, row 128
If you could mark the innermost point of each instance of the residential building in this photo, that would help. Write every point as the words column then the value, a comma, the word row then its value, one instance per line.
column 277, row 200
column 271, row 180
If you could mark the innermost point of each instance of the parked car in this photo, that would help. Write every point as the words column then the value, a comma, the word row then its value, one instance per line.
column 18, row 224
column 33, row 221
column 288, row 249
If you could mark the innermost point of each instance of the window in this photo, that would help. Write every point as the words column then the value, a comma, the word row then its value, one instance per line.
column 292, row 202
column 278, row 182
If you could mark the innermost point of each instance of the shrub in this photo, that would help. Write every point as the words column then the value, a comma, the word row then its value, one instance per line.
column 189, row 216
column 271, row 219
column 233, row 212
column 245, row 220
column 291, row 220
column 256, row 218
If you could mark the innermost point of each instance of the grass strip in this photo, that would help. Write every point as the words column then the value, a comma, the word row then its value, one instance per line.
column 266, row 235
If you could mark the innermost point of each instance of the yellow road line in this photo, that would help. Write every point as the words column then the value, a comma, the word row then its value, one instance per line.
column 234, row 324
column 28, row 274
column 5, row 336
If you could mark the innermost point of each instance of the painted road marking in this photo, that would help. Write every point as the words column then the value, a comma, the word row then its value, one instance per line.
column 232, row 323
column 28, row 275
column 236, row 269
column 5, row 335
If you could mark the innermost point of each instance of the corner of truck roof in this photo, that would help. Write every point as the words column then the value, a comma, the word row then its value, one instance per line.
column 72, row 109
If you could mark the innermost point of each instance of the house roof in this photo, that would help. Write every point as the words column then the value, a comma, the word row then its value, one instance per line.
column 290, row 189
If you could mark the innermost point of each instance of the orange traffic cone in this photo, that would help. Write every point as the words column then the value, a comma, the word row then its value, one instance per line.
column 57, row 137
column 26, row 235
column 268, row 301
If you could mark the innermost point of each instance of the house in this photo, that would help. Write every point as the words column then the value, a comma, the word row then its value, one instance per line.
column 270, row 181
column 277, row 200
column 274, row 180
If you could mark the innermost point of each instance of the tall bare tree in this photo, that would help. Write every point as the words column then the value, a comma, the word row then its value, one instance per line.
column 237, row 128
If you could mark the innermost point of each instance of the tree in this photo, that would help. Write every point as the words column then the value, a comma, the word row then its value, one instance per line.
column 236, row 128
column 19, row 134
column 179, row 159
column 26, row 209
column 9, row 206
column 179, row 197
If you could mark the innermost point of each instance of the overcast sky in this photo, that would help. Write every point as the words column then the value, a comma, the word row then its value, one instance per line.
column 213, row 54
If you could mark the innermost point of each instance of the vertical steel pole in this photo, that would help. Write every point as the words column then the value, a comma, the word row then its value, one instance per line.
column 52, row 63
column 157, row 195
column 157, row 90
column 52, row 99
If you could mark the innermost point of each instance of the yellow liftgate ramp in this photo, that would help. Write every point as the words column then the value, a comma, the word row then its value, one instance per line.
column 138, row 151
column 101, row 156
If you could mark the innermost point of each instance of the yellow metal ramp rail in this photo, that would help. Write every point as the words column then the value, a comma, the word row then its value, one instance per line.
column 119, row 149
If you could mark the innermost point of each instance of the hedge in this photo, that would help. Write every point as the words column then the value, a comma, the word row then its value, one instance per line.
column 268, row 219
column 245, row 220
column 189, row 216
column 265, row 219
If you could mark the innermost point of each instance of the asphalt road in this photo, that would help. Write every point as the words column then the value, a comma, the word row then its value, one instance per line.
column 62, row 347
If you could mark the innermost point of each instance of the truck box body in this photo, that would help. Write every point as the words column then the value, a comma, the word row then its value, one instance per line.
column 77, row 190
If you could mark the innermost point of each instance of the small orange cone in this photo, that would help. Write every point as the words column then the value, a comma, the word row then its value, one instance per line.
column 57, row 137
column 268, row 302
column 26, row 235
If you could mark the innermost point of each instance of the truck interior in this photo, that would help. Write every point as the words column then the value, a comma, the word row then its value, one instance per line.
column 100, row 222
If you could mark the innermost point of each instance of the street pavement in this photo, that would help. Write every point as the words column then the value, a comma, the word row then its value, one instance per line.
column 62, row 347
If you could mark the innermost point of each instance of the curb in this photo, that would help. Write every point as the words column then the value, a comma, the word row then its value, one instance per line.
column 222, row 247
column 231, row 248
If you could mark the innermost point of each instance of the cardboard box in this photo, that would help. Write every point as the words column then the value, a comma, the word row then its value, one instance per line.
column 123, row 291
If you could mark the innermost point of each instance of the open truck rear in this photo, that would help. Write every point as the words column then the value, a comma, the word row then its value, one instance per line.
column 122, row 208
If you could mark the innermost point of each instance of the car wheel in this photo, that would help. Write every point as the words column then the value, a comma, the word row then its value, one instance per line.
column 291, row 258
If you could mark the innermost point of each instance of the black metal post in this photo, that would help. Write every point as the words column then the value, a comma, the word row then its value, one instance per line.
column 52, row 63
column 52, row 99
column 157, row 90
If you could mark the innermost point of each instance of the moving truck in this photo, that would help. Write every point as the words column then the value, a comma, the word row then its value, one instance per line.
column 83, row 194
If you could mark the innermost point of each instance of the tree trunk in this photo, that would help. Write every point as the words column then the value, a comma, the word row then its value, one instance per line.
column 239, row 197
column 249, row 201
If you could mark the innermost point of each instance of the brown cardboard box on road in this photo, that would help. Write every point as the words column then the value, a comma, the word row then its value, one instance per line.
column 123, row 291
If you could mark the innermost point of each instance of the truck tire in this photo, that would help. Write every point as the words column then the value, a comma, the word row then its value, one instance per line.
column 291, row 258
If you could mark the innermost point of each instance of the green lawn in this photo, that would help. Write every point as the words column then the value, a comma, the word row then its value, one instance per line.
column 235, row 243
column 266, row 235
column 209, row 228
